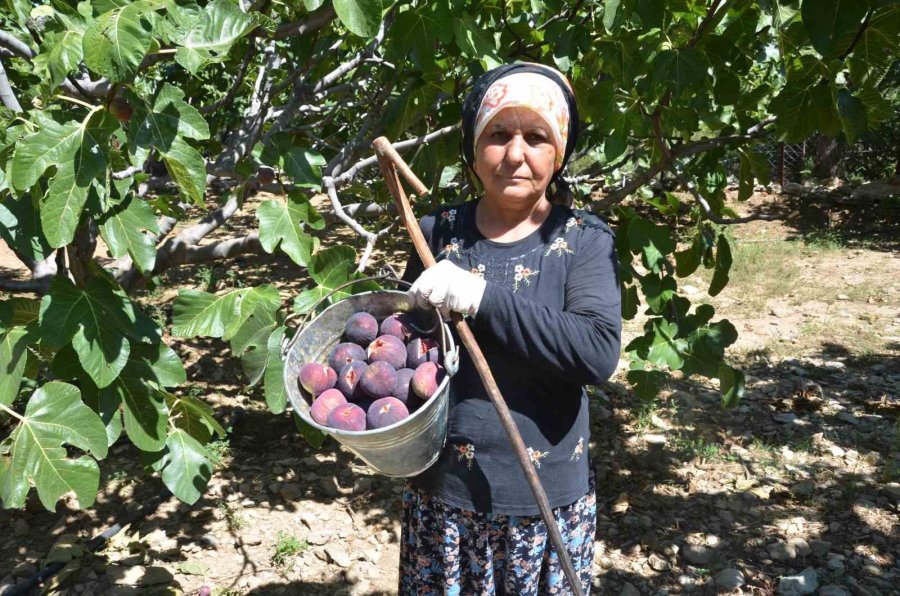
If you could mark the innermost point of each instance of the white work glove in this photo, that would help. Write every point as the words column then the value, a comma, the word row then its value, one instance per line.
column 448, row 288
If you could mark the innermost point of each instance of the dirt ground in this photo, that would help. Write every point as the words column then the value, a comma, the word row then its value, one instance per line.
column 793, row 491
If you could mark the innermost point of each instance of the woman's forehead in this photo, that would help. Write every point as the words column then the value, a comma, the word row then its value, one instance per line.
column 517, row 116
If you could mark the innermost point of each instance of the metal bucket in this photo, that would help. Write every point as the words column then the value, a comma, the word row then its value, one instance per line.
column 406, row 448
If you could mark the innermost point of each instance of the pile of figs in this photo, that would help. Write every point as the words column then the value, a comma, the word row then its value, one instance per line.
column 377, row 377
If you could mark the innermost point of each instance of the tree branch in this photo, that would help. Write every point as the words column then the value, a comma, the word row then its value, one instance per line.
column 229, row 95
column 316, row 21
column 16, row 285
column 16, row 46
column 689, row 185
column 6, row 93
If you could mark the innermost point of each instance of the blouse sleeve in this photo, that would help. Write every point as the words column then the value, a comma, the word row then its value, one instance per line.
column 582, row 341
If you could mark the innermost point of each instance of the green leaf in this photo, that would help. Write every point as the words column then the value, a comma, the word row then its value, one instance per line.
column 61, row 53
column 281, row 224
column 95, row 320
column 51, row 144
column 194, row 417
column 687, row 260
column 311, row 5
column 653, row 241
column 188, row 170
column 610, row 8
column 683, row 68
column 130, row 228
column 659, row 345
column 731, row 385
column 421, row 28
column 360, row 17
column 475, row 43
column 304, row 167
column 273, row 382
column 647, row 383
column 13, row 355
column 658, row 291
column 795, row 111
column 61, row 208
column 169, row 117
column 199, row 313
column 311, row 434
column 630, row 302
column 20, row 227
column 54, row 416
column 723, row 266
column 853, row 115
column 329, row 268
column 221, row 24
column 107, row 405
column 831, row 24
column 186, row 468
column 116, row 42
column 705, row 348
column 143, row 408
column 409, row 107
column 167, row 368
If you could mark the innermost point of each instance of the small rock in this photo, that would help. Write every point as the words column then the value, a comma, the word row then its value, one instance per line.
column 658, row 563
column 251, row 538
column 697, row 555
column 138, row 576
column 836, row 564
column 804, row 488
column 892, row 490
column 834, row 590
column 781, row 551
column 785, row 417
column 820, row 548
column 834, row 527
column 329, row 486
column 654, row 439
column 209, row 541
column 836, row 450
column 629, row 590
column 291, row 492
column 843, row 297
column 806, row 582
column 338, row 555
column 729, row 579
column 801, row 547
column 318, row 538
column 383, row 537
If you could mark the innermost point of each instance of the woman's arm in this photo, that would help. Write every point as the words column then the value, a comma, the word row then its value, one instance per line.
column 582, row 341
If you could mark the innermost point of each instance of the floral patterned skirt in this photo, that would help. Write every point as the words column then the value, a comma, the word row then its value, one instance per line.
column 447, row 550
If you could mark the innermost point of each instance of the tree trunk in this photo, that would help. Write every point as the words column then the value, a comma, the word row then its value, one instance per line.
column 828, row 156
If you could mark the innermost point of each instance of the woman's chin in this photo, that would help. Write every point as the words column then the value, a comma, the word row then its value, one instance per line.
column 518, row 192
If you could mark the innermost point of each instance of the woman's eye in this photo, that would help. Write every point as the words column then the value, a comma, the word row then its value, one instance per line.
column 536, row 138
column 500, row 135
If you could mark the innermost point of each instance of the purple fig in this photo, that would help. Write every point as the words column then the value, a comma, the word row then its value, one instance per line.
column 316, row 378
column 398, row 325
column 347, row 417
column 327, row 401
column 387, row 348
column 361, row 328
column 420, row 351
column 344, row 353
column 378, row 380
column 401, row 389
column 348, row 380
column 426, row 379
column 385, row 412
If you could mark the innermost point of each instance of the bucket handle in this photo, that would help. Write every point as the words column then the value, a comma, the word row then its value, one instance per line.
column 387, row 273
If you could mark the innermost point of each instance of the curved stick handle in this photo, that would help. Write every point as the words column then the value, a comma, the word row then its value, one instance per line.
column 391, row 162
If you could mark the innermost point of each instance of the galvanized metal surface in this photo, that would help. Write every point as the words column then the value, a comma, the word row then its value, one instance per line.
column 406, row 448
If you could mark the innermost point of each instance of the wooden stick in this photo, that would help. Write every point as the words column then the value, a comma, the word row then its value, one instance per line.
column 390, row 162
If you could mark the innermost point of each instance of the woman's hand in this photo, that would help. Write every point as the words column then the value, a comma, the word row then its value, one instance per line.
column 448, row 288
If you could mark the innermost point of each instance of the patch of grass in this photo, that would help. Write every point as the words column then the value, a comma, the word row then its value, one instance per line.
column 232, row 518
column 287, row 547
column 218, row 451
column 645, row 413
column 227, row 592
column 697, row 447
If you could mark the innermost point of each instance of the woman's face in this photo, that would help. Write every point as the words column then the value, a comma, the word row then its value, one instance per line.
column 515, row 156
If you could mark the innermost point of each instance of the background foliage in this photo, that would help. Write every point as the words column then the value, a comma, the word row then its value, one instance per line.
column 121, row 116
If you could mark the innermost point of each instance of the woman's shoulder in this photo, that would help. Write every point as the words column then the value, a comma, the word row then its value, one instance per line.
column 583, row 221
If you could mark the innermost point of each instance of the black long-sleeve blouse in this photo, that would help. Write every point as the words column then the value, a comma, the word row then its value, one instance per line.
column 548, row 324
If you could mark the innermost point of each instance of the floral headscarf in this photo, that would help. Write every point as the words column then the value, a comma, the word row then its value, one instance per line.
column 540, row 88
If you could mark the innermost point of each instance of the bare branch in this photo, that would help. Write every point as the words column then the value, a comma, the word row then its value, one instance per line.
column 691, row 187
column 17, row 285
column 223, row 249
column 16, row 46
column 6, row 92
column 229, row 95
column 399, row 146
column 338, row 209
column 316, row 21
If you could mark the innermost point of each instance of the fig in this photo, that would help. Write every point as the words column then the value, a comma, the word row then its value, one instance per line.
column 398, row 325
column 378, row 380
column 385, row 412
column 401, row 389
column 327, row 401
column 344, row 353
column 347, row 417
column 387, row 348
column 420, row 351
column 316, row 378
column 361, row 328
column 426, row 379
column 348, row 379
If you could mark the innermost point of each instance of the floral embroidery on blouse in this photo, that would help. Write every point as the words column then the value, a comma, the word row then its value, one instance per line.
column 451, row 249
column 560, row 246
column 448, row 217
column 479, row 271
column 465, row 452
column 536, row 456
column 523, row 274
column 578, row 451
column 573, row 222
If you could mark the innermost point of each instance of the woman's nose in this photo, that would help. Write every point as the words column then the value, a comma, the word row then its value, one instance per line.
column 515, row 150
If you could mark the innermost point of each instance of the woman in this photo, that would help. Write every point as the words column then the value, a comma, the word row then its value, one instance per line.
column 538, row 282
